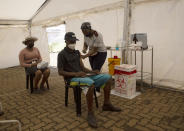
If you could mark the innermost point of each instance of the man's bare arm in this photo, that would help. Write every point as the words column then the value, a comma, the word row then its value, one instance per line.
column 65, row 73
column 71, row 74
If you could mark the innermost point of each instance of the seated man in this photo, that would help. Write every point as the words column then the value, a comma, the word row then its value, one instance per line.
column 29, row 57
column 70, row 66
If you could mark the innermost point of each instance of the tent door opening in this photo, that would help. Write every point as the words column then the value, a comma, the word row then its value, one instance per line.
column 56, row 42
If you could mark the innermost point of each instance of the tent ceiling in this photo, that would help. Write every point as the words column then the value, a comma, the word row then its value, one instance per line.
column 62, row 7
column 19, row 9
column 18, row 12
column 58, row 11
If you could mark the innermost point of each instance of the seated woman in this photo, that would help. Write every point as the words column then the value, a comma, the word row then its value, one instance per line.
column 29, row 57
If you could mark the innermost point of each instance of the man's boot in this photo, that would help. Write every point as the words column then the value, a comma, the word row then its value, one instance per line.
column 1, row 113
column 91, row 120
column 110, row 107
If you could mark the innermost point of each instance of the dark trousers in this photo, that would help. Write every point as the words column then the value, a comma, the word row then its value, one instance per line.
column 97, row 60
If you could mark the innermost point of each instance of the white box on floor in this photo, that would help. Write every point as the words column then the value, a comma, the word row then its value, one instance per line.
column 125, row 81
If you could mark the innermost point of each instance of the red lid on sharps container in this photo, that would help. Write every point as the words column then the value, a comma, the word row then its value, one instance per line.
column 115, row 57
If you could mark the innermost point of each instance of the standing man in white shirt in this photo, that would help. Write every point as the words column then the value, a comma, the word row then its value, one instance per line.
column 94, row 41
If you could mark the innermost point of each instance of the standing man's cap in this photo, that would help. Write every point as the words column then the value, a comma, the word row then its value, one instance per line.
column 70, row 36
column 86, row 25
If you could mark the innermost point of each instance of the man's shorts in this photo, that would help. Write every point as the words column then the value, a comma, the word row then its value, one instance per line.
column 96, row 80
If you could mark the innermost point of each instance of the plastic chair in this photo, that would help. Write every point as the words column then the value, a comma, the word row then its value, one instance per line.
column 77, row 96
column 29, row 78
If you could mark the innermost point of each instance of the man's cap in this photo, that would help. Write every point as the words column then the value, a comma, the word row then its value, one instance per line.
column 70, row 36
column 30, row 38
column 86, row 25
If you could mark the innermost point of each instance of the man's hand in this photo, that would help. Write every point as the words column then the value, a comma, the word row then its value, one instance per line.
column 80, row 74
column 35, row 59
column 34, row 64
column 83, row 56
column 96, row 72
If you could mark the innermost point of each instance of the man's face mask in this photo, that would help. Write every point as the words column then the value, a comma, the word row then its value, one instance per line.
column 71, row 46
column 30, row 44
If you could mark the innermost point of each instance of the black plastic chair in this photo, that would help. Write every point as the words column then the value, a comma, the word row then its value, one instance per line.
column 77, row 96
column 29, row 78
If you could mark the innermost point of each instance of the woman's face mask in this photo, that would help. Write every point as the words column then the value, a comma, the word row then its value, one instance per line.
column 87, row 32
column 72, row 46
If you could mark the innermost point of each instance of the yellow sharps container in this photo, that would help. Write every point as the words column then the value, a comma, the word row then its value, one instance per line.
column 112, row 62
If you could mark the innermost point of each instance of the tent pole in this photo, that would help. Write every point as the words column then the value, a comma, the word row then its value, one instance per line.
column 125, row 31
column 29, row 27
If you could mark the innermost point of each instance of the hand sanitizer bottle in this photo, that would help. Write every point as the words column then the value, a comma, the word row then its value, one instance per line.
column 117, row 46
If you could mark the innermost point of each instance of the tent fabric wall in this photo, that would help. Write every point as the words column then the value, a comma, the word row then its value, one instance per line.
column 11, row 44
column 163, row 23
column 109, row 23
column 42, row 43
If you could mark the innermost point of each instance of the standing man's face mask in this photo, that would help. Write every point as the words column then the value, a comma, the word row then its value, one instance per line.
column 72, row 46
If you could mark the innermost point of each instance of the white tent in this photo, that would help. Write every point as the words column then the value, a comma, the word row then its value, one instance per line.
column 162, row 20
